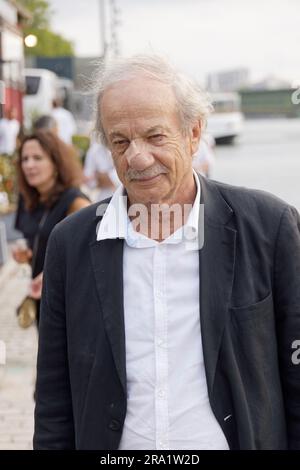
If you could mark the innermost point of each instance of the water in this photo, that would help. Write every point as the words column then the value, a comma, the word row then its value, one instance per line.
column 266, row 156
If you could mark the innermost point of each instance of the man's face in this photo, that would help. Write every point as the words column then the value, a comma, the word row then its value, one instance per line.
column 152, row 154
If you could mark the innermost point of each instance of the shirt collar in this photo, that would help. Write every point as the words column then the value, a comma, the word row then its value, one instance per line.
column 116, row 223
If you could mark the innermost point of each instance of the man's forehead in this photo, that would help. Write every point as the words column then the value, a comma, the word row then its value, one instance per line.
column 152, row 115
column 143, row 108
column 137, row 93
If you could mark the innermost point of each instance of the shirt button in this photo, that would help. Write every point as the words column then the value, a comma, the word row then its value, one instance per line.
column 161, row 393
column 226, row 418
column 160, row 342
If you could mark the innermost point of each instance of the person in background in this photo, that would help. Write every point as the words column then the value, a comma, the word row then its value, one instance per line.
column 49, row 177
column 99, row 171
column 9, row 130
column 45, row 123
column 65, row 121
column 204, row 158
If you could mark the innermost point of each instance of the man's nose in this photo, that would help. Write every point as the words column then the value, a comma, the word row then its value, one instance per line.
column 138, row 157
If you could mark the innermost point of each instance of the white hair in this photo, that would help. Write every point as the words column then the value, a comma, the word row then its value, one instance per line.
column 193, row 103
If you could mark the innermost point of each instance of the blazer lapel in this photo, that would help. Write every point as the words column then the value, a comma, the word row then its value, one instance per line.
column 107, row 261
column 217, row 259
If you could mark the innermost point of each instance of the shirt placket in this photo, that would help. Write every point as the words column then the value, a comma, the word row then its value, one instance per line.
column 161, row 349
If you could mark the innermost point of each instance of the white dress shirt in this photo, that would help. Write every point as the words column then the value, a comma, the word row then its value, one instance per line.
column 167, row 401
column 66, row 124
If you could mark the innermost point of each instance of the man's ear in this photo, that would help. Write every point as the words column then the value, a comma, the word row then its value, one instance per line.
column 195, row 134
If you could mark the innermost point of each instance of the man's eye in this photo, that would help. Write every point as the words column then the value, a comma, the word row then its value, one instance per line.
column 121, row 142
column 156, row 137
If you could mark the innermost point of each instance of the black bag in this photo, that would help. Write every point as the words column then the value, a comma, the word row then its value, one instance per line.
column 27, row 310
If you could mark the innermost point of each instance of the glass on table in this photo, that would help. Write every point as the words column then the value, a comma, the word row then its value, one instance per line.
column 21, row 251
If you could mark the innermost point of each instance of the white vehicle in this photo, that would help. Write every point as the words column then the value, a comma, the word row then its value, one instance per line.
column 226, row 122
column 41, row 89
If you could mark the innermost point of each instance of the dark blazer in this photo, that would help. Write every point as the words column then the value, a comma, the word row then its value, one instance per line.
column 250, row 316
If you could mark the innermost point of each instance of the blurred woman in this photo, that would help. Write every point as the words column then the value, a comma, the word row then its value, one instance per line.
column 49, row 177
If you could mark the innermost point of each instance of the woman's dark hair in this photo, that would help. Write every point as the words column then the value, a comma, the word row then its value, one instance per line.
column 66, row 162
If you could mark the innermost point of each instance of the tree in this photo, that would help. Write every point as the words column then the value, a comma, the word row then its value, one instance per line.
column 41, row 13
column 49, row 43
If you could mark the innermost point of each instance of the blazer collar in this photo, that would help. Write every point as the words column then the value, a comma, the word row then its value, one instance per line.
column 107, row 261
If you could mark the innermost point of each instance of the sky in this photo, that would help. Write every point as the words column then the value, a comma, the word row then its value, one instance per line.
column 198, row 36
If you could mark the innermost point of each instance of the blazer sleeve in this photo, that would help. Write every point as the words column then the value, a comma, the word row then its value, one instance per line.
column 54, row 426
column 287, row 309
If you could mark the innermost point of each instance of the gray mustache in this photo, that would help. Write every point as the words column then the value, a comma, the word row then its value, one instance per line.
column 145, row 174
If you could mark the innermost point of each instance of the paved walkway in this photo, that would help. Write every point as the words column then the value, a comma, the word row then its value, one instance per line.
column 18, row 374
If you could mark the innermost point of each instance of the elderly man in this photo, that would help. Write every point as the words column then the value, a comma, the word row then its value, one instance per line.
column 169, row 314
